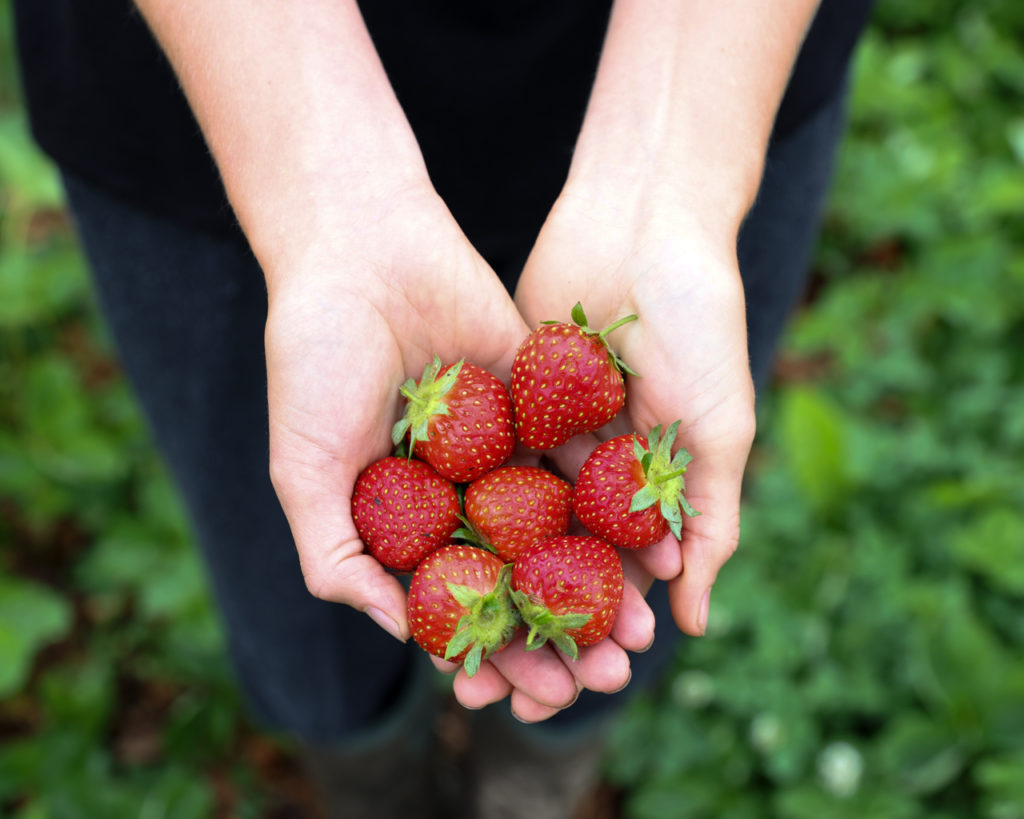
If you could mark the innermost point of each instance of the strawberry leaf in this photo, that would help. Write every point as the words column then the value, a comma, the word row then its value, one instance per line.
column 638, row 449
column 473, row 660
column 462, row 639
column 664, row 475
column 545, row 625
column 464, row 595
column 425, row 401
column 670, row 511
column 644, row 498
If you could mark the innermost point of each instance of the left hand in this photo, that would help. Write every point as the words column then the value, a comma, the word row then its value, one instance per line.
column 689, row 346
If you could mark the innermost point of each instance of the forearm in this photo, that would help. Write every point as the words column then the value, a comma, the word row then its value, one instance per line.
column 298, row 113
column 683, row 104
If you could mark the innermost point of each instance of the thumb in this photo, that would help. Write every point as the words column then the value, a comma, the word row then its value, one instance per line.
column 334, row 563
column 714, row 484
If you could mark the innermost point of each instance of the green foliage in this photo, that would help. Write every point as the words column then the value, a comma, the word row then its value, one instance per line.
column 30, row 617
column 864, row 652
column 864, row 649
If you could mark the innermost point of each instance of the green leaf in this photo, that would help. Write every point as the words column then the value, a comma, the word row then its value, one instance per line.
column 465, row 596
column 993, row 546
column 644, row 498
column 813, row 437
column 31, row 616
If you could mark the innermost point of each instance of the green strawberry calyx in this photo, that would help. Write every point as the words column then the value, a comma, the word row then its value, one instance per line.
column 546, row 625
column 472, row 535
column 580, row 319
column 487, row 626
column 663, row 472
column 426, row 399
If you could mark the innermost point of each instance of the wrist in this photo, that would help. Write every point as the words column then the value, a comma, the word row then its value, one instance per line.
column 333, row 233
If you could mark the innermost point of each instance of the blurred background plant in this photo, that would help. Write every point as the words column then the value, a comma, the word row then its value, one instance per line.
column 865, row 655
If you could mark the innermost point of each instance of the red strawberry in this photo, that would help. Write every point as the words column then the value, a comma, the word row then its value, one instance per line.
column 459, row 605
column 568, row 590
column 566, row 380
column 403, row 510
column 459, row 420
column 630, row 493
column 513, row 507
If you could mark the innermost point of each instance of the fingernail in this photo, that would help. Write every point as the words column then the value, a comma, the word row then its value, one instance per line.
column 385, row 622
column 702, row 615
column 579, row 690
column 628, row 678
column 647, row 647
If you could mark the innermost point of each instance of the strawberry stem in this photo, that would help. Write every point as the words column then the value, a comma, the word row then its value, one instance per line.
column 580, row 318
column 615, row 325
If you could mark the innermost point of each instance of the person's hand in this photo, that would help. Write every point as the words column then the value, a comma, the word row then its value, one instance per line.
column 689, row 346
column 542, row 682
column 347, row 325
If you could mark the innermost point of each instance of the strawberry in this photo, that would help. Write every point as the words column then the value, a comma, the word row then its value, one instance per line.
column 566, row 380
column 459, row 605
column 513, row 507
column 403, row 510
column 459, row 420
column 630, row 492
column 568, row 590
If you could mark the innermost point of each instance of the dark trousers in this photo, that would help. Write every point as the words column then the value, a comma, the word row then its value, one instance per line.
column 187, row 310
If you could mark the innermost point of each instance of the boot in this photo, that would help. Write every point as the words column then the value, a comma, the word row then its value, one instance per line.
column 532, row 771
column 387, row 771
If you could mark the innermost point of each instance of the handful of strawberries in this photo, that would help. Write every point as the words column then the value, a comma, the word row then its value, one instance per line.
column 489, row 544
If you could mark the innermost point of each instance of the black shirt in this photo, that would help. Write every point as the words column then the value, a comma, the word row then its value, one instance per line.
column 495, row 93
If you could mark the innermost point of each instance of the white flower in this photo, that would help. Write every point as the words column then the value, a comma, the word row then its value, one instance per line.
column 840, row 767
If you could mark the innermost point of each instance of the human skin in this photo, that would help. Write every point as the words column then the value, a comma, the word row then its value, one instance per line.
column 368, row 275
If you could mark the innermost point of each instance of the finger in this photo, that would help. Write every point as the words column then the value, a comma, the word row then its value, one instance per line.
column 483, row 688
column 540, row 674
column 634, row 626
column 334, row 563
column 602, row 667
column 570, row 456
column 663, row 560
column 359, row 581
column 526, row 709
column 709, row 540
column 444, row 666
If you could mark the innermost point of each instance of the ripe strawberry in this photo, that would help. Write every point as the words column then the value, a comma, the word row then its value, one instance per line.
column 403, row 510
column 568, row 590
column 513, row 507
column 459, row 420
column 459, row 605
column 566, row 380
column 630, row 493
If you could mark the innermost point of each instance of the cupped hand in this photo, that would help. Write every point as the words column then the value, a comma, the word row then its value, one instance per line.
column 689, row 347
column 348, row 322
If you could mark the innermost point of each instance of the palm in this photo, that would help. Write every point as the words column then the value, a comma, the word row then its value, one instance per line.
column 338, row 346
column 689, row 345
